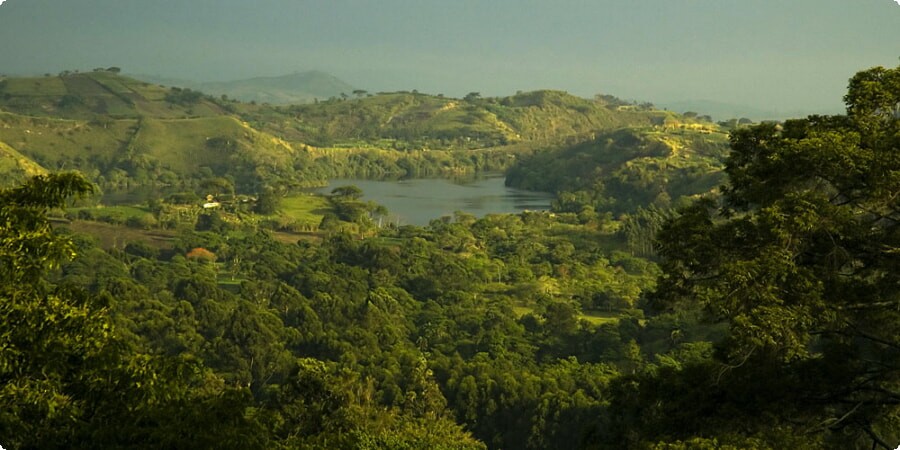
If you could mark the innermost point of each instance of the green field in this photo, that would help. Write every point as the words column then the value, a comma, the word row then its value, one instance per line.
column 599, row 318
column 35, row 87
column 304, row 209
column 593, row 317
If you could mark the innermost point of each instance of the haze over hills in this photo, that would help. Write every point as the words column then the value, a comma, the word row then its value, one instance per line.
column 297, row 87
column 692, row 284
column 307, row 86
column 725, row 110
column 732, row 52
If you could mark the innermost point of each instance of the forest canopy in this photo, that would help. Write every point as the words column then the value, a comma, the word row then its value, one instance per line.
column 766, row 315
column 800, row 258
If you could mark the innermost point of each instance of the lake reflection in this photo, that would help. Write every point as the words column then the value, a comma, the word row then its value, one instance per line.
column 418, row 201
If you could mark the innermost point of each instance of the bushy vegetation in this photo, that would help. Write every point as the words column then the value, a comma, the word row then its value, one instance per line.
column 124, row 133
column 763, row 317
column 373, row 342
column 622, row 170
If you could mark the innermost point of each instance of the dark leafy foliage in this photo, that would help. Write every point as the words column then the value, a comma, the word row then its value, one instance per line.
column 800, row 261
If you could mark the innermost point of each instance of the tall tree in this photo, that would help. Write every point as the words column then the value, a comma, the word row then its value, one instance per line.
column 41, row 326
column 802, row 260
column 66, row 381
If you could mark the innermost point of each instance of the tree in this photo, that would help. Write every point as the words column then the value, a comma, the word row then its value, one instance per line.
column 217, row 186
column 802, row 260
column 349, row 192
column 43, row 327
column 66, row 381
column 267, row 202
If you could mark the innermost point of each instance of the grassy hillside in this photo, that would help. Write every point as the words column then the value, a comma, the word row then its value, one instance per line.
column 623, row 169
column 548, row 115
column 15, row 167
column 150, row 150
column 404, row 119
column 221, row 145
column 99, row 95
column 124, row 132
column 58, row 143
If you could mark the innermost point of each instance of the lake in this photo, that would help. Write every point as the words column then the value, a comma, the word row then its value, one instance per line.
column 418, row 201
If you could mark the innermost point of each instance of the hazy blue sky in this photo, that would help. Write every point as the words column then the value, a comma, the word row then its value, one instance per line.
column 774, row 54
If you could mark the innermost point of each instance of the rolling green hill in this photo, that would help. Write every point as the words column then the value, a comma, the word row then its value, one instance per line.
column 447, row 123
column 14, row 167
column 123, row 132
column 100, row 95
column 628, row 168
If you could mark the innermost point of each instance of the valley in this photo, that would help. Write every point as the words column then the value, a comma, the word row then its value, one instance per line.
column 405, row 270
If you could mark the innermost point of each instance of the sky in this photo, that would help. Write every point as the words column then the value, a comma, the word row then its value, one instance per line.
column 786, row 55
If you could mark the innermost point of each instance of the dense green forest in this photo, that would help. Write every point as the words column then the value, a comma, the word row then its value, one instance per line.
column 683, row 293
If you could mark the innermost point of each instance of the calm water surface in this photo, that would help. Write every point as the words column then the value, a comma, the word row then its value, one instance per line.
column 418, row 201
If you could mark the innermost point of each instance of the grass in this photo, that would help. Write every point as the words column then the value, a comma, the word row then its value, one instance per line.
column 225, row 281
column 14, row 167
column 522, row 310
column 168, row 141
column 95, row 94
column 593, row 317
column 182, row 144
column 35, row 87
column 126, row 211
column 57, row 141
column 115, row 211
column 121, row 212
column 450, row 123
column 305, row 209
column 600, row 317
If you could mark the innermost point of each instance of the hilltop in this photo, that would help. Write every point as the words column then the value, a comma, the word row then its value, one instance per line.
column 98, row 95
column 629, row 168
column 298, row 87
column 124, row 132
column 438, row 122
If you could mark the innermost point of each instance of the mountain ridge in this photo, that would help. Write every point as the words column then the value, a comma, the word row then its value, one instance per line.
column 292, row 88
column 124, row 132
